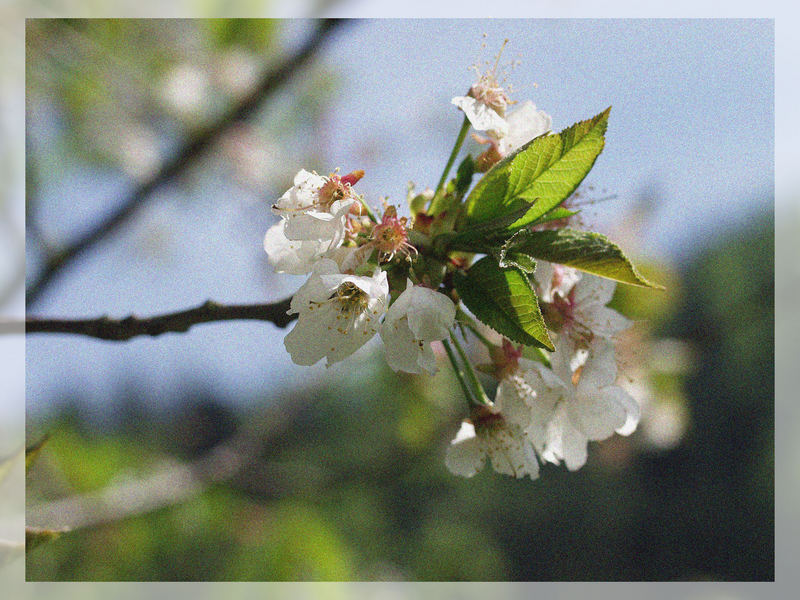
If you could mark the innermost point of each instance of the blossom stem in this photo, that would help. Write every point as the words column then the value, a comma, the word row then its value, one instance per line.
column 459, row 374
column 459, row 141
column 368, row 210
column 473, row 327
column 472, row 377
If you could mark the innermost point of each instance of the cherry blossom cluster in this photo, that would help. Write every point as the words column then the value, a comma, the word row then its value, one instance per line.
column 386, row 275
column 552, row 411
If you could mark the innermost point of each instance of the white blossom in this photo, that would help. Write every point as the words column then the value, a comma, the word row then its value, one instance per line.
column 315, row 208
column 295, row 257
column 314, row 214
column 496, row 431
column 587, row 404
column 337, row 313
column 418, row 316
column 575, row 304
column 485, row 104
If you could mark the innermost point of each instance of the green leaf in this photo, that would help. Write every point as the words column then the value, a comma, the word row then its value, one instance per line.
column 476, row 237
column 36, row 536
column 32, row 452
column 504, row 300
column 464, row 175
column 559, row 212
column 541, row 174
column 507, row 255
column 584, row 250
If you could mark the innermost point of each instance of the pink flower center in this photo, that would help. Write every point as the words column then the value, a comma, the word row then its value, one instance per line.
column 391, row 234
column 484, row 419
column 338, row 188
column 491, row 94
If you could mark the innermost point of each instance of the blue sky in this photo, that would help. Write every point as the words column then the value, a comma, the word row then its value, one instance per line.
column 692, row 117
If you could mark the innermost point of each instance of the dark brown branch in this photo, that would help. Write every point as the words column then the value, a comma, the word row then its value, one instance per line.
column 105, row 328
column 194, row 149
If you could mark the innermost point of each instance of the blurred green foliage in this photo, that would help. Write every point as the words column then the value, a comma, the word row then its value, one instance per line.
column 353, row 485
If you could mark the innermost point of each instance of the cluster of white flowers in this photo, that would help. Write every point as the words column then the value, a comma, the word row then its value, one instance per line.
column 365, row 278
column 340, row 307
column 553, row 411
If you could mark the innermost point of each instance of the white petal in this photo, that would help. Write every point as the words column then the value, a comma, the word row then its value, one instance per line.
column 289, row 256
column 514, row 399
column 349, row 258
column 525, row 124
column 510, row 453
column 632, row 410
column 597, row 414
column 465, row 454
column 603, row 321
column 561, row 361
column 323, row 329
column 564, row 442
column 555, row 279
column 402, row 351
column 324, row 280
column 315, row 225
column 310, row 339
column 465, row 432
column 600, row 368
column 481, row 116
column 542, row 405
column 302, row 196
column 430, row 313
column 594, row 290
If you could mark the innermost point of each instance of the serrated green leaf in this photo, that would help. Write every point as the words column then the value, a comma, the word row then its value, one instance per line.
column 583, row 250
column 541, row 174
column 518, row 260
column 559, row 212
column 507, row 256
column 36, row 536
column 504, row 300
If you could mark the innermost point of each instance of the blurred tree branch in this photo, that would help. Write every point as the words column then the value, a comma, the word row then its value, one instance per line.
column 172, row 482
column 200, row 143
column 105, row 328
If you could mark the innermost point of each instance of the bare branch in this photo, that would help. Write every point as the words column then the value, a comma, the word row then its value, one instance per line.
column 171, row 482
column 105, row 328
column 194, row 149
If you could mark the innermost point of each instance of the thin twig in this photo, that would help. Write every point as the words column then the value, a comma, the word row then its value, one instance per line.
column 194, row 149
column 105, row 328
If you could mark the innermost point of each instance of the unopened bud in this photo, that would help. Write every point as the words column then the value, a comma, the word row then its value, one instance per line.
column 353, row 177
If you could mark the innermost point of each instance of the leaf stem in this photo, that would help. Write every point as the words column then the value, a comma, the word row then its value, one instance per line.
column 459, row 374
column 482, row 398
column 459, row 141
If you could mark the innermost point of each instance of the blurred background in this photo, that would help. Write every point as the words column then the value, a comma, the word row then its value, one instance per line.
column 210, row 456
